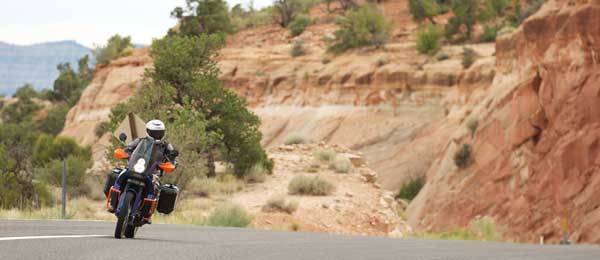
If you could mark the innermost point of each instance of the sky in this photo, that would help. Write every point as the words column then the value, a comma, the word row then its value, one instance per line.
column 90, row 23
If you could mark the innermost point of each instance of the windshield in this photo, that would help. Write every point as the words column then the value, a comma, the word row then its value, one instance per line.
column 141, row 158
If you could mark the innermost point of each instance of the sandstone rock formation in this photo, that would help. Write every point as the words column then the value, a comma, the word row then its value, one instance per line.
column 535, row 153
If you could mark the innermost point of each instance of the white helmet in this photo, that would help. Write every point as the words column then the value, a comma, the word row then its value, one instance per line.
column 155, row 129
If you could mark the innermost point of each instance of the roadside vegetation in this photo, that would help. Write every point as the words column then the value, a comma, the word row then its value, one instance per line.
column 228, row 215
column 30, row 150
column 483, row 229
column 411, row 189
column 305, row 185
column 280, row 204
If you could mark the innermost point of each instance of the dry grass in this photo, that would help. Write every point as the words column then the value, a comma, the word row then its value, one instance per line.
column 280, row 204
column 341, row 164
column 229, row 215
column 294, row 139
column 257, row 174
column 79, row 208
column 305, row 185
column 225, row 184
column 325, row 155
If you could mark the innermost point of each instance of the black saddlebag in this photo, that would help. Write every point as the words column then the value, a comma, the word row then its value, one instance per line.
column 110, row 180
column 167, row 198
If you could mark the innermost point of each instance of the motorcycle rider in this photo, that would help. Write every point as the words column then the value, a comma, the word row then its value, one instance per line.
column 155, row 129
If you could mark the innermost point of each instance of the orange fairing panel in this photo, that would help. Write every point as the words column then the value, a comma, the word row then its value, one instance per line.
column 121, row 154
column 167, row 167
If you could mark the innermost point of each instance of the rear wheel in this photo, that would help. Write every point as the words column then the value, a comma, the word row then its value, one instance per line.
column 123, row 216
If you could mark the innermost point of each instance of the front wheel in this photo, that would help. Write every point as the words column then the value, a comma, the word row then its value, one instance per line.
column 123, row 215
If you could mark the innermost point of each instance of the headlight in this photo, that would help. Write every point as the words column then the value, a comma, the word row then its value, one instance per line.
column 140, row 166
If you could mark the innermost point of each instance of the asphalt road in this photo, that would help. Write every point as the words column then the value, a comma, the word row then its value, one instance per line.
column 49, row 240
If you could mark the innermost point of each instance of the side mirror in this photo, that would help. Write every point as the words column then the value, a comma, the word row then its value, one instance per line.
column 123, row 137
column 174, row 153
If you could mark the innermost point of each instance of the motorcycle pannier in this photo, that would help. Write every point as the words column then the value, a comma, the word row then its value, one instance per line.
column 110, row 179
column 167, row 198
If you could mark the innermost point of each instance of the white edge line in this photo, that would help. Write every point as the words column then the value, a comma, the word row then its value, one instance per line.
column 48, row 237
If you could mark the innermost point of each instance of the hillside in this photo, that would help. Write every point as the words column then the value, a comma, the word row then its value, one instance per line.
column 35, row 64
column 533, row 95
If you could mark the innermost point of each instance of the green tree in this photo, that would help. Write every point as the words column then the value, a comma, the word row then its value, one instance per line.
column 423, row 9
column 466, row 13
column 68, row 86
column 361, row 27
column 16, row 178
column 26, row 91
column 54, row 122
column 428, row 40
column 202, row 17
column 22, row 110
column 116, row 47
column 184, row 86
column 85, row 73
column 298, row 24
column 76, row 168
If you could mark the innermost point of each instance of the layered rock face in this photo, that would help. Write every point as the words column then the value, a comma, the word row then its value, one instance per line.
column 536, row 161
column 385, row 102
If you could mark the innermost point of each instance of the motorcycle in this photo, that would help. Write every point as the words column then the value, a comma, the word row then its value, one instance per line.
column 132, row 208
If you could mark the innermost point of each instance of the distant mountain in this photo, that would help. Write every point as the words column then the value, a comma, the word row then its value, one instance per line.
column 36, row 63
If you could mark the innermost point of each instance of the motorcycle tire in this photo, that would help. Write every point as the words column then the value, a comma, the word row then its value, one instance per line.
column 130, row 231
column 123, row 217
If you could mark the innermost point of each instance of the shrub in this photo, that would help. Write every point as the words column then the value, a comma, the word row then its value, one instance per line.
column 284, row 11
column 409, row 190
column 201, row 17
column 256, row 174
column 468, row 57
column 280, row 204
column 54, row 122
column 365, row 26
column 442, row 56
column 466, row 13
column 101, row 128
column 305, row 185
column 483, row 229
column 298, row 25
column 428, row 40
column 530, row 10
column 423, row 9
column 489, row 34
column 251, row 18
column 381, row 61
column 325, row 155
column 297, row 49
column 294, row 139
column 462, row 157
column 341, row 164
column 325, row 60
column 76, row 168
column 206, row 187
column 116, row 47
column 494, row 8
column 229, row 215
column 472, row 125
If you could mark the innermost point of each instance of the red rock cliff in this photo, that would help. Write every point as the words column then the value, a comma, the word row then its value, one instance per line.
column 536, row 151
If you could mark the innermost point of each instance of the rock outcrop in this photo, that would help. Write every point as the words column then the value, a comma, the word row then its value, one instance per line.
column 536, row 161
